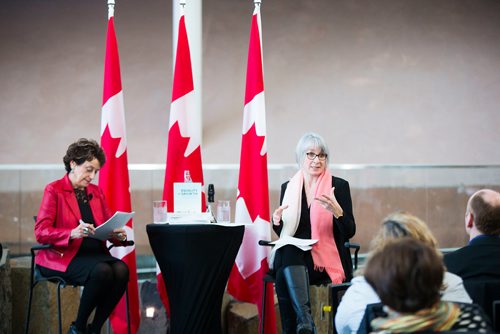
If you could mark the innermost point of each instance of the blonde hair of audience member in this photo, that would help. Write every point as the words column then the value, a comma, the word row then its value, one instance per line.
column 403, row 224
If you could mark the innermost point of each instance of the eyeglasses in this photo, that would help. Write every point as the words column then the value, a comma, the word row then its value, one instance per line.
column 312, row 156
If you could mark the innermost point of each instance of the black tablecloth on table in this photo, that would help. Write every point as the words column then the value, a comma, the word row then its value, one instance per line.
column 195, row 261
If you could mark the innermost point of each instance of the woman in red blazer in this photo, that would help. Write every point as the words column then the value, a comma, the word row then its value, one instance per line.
column 70, row 210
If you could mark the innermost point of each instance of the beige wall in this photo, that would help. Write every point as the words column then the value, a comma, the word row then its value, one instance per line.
column 386, row 81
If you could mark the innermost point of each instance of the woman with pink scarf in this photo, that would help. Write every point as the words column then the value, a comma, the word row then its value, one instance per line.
column 313, row 205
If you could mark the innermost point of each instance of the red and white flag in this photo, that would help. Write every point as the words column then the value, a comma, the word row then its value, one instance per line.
column 252, row 204
column 184, row 132
column 114, row 178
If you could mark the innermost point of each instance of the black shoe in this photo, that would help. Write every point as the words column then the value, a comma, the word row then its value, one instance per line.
column 89, row 330
column 73, row 330
column 306, row 328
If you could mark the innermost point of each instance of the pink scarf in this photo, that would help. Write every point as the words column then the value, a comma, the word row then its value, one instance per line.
column 324, row 253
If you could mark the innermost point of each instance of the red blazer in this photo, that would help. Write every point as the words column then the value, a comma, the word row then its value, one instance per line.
column 58, row 215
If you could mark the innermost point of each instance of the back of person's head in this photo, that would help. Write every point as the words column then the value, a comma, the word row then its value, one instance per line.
column 403, row 224
column 484, row 205
column 407, row 275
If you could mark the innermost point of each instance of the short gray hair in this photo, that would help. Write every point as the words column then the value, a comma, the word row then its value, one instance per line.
column 308, row 140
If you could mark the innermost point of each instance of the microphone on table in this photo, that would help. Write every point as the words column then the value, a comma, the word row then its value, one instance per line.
column 211, row 195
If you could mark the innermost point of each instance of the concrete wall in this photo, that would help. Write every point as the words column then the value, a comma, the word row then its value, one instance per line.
column 436, row 194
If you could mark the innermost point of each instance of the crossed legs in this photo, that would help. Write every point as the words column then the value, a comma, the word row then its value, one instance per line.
column 102, row 291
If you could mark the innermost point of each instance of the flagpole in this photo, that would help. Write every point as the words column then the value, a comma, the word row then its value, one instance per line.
column 111, row 8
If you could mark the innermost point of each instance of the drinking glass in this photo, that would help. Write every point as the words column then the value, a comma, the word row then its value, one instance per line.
column 159, row 212
column 223, row 211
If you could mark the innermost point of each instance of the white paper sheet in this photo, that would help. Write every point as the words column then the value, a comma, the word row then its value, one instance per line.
column 189, row 218
column 304, row 244
column 118, row 220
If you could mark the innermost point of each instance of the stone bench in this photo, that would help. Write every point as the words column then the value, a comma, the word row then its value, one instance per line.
column 44, row 306
column 238, row 317
column 5, row 294
column 242, row 318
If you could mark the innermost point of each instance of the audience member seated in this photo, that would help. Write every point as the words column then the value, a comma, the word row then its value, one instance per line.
column 360, row 294
column 313, row 205
column 478, row 263
column 70, row 210
column 407, row 275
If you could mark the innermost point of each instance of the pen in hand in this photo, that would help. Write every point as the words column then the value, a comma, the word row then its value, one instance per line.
column 86, row 228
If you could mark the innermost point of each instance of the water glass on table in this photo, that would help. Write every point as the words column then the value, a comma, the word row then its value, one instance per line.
column 159, row 212
column 223, row 211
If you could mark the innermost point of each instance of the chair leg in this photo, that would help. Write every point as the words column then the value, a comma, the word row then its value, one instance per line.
column 128, row 310
column 59, row 306
column 264, row 295
column 28, row 313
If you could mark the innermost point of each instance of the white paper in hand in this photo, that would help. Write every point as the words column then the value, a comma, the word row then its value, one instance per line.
column 304, row 244
column 118, row 220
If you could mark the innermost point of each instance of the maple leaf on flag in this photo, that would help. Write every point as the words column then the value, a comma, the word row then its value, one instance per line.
column 251, row 191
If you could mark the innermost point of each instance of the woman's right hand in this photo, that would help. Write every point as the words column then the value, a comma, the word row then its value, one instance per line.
column 278, row 213
column 83, row 230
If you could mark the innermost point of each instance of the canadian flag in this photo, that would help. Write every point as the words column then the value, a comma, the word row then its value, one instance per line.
column 184, row 132
column 114, row 178
column 252, row 203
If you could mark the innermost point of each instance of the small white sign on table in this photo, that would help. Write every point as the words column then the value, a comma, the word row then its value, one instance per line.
column 187, row 197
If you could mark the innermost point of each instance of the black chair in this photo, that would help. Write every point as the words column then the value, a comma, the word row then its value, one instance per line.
column 37, row 277
column 496, row 316
column 336, row 293
column 336, row 290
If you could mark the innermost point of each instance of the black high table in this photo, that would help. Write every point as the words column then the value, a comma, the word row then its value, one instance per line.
column 195, row 262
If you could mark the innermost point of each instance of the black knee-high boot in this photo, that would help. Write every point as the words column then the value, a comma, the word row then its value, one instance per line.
column 297, row 281
column 287, row 314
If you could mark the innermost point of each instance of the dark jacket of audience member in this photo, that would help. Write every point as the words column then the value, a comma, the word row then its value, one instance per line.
column 480, row 259
column 478, row 263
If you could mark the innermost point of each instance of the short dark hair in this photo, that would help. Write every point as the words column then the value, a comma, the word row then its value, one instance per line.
column 486, row 214
column 83, row 150
column 407, row 275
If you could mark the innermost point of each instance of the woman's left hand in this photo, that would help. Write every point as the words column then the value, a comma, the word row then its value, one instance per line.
column 119, row 234
column 330, row 203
